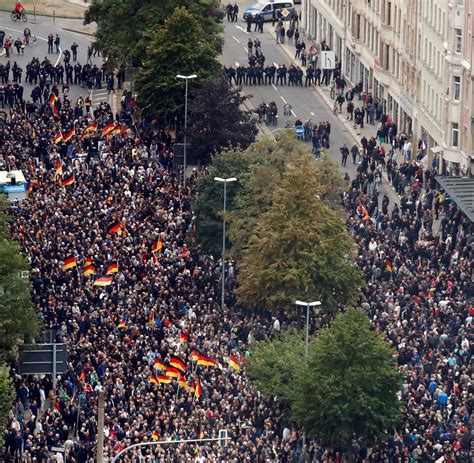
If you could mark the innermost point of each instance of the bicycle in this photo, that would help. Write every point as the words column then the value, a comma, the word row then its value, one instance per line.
column 18, row 16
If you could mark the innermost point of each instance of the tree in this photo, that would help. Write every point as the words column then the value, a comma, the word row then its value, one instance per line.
column 275, row 365
column 349, row 388
column 18, row 320
column 124, row 27
column 217, row 120
column 258, row 169
column 300, row 249
column 6, row 398
column 180, row 47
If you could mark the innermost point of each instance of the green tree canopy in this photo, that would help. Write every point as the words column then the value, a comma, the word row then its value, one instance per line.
column 275, row 365
column 18, row 319
column 179, row 47
column 124, row 27
column 349, row 388
column 6, row 398
column 217, row 120
column 300, row 250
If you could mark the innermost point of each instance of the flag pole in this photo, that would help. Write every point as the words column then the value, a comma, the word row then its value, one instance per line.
column 177, row 392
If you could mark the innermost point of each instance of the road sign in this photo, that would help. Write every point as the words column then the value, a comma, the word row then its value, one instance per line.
column 58, row 449
column 285, row 13
column 48, row 359
column 328, row 60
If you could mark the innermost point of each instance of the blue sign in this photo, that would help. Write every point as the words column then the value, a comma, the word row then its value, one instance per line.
column 13, row 188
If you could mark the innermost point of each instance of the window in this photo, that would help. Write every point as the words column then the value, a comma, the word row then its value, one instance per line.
column 455, row 134
column 460, row 3
column 458, row 40
column 456, row 88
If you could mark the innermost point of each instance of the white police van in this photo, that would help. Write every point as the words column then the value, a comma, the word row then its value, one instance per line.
column 266, row 9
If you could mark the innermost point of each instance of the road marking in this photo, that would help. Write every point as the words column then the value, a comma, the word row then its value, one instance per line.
column 237, row 64
column 242, row 29
column 312, row 114
column 101, row 98
column 38, row 37
column 102, row 93
column 284, row 101
column 273, row 85
column 292, row 112
column 236, row 39
column 246, row 51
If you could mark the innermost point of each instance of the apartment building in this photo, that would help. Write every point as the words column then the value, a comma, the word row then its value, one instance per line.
column 414, row 56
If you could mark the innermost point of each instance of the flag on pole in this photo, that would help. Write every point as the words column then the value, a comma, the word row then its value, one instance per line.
column 182, row 382
column 389, row 265
column 67, row 181
column 158, row 246
column 154, row 380
column 197, row 389
column 104, row 281
column 52, row 99
column 206, row 361
column 158, row 364
column 177, row 363
column 69, row 135
column 234, row 362
column 183, row 337
column 163, row 379
column 112, row 268
column 58, row 171
column 107, row 129
column 115, row 227
column 121, row 324
column 195, row 354
column 88, row 270
column 69, row 263
column 57, row 138
column 155, row 436
column 172, row 372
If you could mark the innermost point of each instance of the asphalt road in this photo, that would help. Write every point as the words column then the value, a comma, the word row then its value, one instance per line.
column 305, row 102
column 42, row 27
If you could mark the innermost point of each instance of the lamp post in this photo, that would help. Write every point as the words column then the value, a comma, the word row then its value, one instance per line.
column 186, row 78
column 307, row 305
column 225, row 181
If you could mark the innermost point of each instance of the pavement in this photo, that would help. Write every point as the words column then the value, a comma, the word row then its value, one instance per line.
column 307, row 102
column 69, row 30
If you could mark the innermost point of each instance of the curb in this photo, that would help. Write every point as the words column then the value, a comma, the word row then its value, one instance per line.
column 31, row 13
column 77, row 31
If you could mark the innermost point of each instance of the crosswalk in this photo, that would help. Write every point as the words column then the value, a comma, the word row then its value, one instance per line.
column 98, row 96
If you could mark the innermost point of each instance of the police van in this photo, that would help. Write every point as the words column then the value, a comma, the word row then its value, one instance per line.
column 266, row 9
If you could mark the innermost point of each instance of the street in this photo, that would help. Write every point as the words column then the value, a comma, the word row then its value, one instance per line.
column 42, row 27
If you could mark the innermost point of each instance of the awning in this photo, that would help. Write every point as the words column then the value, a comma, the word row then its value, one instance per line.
column 461, row 190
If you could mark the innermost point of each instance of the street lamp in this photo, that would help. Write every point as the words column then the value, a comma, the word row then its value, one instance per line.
column 186, row 78
column 225, row 181
column 307, row 305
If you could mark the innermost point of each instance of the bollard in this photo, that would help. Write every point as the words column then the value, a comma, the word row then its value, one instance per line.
column 54, row 16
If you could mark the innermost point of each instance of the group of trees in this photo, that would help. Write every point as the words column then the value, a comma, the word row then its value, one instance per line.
column 287, row 234
column 285, row 231
column 163, row 39
column 18, row 320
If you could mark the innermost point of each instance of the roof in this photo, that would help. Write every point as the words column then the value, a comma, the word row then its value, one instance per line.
column 5, row 177
column 461, row 190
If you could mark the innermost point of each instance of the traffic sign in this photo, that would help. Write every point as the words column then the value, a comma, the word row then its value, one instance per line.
column 328, row 60
column 285, row 13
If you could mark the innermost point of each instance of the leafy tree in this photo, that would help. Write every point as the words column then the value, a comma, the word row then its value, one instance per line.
column 349, row 388
column 17, row 317
column 217, row 120
column 124, row 27
column 258, row 168
column 6, row 398
column 275, row 365
column 180, row 47
column 300, row 250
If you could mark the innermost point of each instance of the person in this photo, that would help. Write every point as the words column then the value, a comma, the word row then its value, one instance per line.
column 355, row 153
column 235, row 12
column 249, row 22
column 57, row 42
column 74, row 47
column 27, row 35
column 344, row 155
column 19, row 9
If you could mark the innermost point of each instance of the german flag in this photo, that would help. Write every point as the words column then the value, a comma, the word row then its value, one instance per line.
column 183, row 337
column 201, row 434
column 58, row 138
column 84, row 136
column 155, row 436
column 55, row 111
column 158, row 364
column 88, row 262
column 107, row 129
column 195, row 354
column 29, row 189
column 154, row 380
column 158, row 246
column 88, row 270
column 69, row 263
column 52, row 99
column 67, row 181
column 69, row 135
column 116, row 130
column 197, row 389
column 182, row 382
column 172, row 372
column 389, row 265
column 115, row 227
column 91, row 127
column 177, row 363
column 104, row 281
column 206, row 361
column 234, row 362
column 163, row 379
column 112, row 268
column 121, row 324
column 58, row 172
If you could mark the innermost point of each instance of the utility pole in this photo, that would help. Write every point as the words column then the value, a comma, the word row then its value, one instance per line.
column 100, row 428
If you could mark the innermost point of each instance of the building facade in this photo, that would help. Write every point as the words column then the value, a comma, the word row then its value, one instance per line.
column 415, row 57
